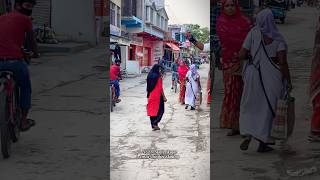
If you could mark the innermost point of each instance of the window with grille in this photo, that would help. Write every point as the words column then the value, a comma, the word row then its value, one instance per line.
column 112, row 13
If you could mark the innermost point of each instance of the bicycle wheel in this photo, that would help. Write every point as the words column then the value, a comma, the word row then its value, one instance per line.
column 5, row 142
column 5, row 131
column 15, row 125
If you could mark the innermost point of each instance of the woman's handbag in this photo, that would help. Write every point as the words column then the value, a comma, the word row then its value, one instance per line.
column 198, row 99
column 283, row 123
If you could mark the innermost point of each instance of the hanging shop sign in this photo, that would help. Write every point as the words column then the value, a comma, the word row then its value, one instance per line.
column 135, row 40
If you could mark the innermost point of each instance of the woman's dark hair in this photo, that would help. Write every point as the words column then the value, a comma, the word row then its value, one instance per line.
column 156, row 69
column 153, row 78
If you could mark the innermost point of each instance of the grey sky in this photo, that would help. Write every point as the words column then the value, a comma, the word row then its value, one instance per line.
column 188, row 12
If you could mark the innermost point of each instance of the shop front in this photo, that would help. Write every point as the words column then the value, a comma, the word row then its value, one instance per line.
column 171, row 52
column 135, row 54
column 42, row 13
column 147, row 49
column 157, row 51
column 153, row 48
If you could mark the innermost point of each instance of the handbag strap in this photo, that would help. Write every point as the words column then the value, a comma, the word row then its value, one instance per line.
column 266, row 53
column 265, row 93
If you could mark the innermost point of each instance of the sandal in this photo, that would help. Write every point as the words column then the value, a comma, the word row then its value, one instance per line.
column 264, row 148
column 23, row 129
column 31, row 122
column 313, row 138
column 245, row 144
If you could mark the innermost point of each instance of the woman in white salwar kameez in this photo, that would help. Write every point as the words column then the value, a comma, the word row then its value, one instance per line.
column 266, row 78
column 192, row 86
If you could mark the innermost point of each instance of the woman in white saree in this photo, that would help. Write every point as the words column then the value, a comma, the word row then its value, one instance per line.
column 266, row 78
column 193, row 86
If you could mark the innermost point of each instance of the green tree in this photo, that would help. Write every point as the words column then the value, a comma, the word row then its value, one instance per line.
column 201, row 34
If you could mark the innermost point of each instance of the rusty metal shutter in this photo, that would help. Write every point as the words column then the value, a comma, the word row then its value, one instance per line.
column 42, row 12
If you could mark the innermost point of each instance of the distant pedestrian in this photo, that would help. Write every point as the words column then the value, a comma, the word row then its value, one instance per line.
column 182, row 72
column 115, row 77
column 266, row 79
column 193, row 86
column 156, row 97
column 232, row 29
column 315, row 88
column 174, row 70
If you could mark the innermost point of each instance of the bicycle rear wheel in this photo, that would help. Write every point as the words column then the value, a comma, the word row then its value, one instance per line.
column 5, row 142
column 5, row 130
column 15, row 125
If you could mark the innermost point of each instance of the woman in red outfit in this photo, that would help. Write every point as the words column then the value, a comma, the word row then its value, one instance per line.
column 232, row 29
column 182, row 72
column 315, row 88
column 156, row 97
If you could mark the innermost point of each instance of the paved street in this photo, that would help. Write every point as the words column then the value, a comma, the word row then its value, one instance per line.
column 299, row 156
column 183, row 131
column 69, row 107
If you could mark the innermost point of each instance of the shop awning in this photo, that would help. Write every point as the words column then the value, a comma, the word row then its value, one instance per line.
column 173, row 47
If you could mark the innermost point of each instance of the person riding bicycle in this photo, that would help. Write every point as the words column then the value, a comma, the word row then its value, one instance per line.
column 174, row 68
column 115, row 76
column 15, row 28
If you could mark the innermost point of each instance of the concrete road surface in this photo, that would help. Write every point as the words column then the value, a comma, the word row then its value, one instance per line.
column 69, row 106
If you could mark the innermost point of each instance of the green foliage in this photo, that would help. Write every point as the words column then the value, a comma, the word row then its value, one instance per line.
column 201, row 34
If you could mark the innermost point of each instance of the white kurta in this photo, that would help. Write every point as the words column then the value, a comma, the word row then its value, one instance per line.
column 191, row 92
column 255, row 113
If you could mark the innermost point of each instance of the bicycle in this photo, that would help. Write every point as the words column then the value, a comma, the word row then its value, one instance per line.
column 10, row 111
column 123, row 73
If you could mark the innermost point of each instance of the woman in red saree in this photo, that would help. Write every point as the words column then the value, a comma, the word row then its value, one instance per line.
column 156, row 97
column 182, row 72
column 315, row 88
column 232, row 29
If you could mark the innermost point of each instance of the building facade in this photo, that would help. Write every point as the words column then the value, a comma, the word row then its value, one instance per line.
column 146, row 25
column 65, row 17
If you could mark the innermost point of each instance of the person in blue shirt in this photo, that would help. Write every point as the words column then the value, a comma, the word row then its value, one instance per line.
column 174, row 69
